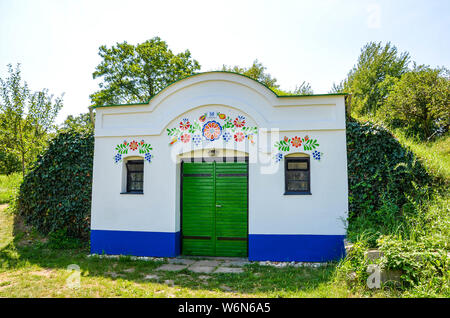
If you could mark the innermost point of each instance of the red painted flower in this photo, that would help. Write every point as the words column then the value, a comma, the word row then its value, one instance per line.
column 185, row 124
column 296, row 142
column 286, row 139
column 142, row 142
column 185, row 138
column 306, row 138
column 133, row 145
column 238, row 137
column 239, row 121
column 222, row 116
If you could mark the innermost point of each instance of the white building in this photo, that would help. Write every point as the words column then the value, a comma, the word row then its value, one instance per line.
column 217, row 164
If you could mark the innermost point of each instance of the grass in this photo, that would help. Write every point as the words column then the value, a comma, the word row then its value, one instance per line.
column 434, row 155
column 8, row 186
column 29, row 268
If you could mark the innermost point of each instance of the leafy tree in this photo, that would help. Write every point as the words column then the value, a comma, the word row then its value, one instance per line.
column 420, row 100
column 134, row 73
column 9, row 162
column 257, row 71
column 27, row 117
column 81, row 121
column 374, row 75
column 303, row 89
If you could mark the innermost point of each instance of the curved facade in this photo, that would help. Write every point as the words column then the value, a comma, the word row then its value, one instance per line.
column 220, row 165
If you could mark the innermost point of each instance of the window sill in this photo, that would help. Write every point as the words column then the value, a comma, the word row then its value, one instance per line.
column 131, row 192
column 297, row 193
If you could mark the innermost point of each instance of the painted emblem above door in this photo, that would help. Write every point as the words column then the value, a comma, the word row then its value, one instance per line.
column 212, row 126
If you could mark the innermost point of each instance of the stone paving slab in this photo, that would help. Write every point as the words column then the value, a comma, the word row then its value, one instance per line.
column 171, row 267
column 201, row 269
column 235, row 263
column 182, row 261
column 211, row 263
column 229, row 270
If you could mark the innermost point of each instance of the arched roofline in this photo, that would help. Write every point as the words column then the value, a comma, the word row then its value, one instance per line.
column 212, row 72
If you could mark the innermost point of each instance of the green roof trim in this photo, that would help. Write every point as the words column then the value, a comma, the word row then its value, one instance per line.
column 196, row 74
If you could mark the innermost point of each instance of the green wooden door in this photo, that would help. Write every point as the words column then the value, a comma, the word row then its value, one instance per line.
column 214, row 208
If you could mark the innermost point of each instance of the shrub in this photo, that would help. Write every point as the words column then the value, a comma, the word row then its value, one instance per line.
column 56, row 192
column 424, row 263
column 9, row 162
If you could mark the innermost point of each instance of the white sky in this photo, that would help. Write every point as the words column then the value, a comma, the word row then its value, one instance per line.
column 315, row 41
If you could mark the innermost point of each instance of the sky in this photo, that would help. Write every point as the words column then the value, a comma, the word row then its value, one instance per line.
column 318, row 41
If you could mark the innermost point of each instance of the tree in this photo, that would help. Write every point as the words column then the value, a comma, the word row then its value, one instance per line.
column 421, row 101
column 303, row 89
column 257, row 71
column 81, row 121
column 27, row 117
column 135, row 73
column 373, row 76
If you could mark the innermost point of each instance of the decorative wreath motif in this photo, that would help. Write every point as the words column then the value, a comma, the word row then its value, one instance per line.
column 142, row 147
column 212, row 130
column 286, row 144
column 212, row 126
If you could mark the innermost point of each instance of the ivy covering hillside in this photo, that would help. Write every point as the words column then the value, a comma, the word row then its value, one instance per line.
column 55, row 195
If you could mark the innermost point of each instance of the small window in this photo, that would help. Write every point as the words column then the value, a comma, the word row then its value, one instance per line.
column 135, row 176
column 297, row 176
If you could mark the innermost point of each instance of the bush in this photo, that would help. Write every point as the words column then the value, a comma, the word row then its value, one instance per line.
column 424, row 264
column 56, row 192
column 9, row 163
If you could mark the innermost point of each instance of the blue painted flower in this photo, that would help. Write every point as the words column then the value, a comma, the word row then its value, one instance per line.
column 212, row 130
column 117, row 158
column 226, row 136
column 196, row 139
column 316, row 155
column 148, row 157
column 278, row 157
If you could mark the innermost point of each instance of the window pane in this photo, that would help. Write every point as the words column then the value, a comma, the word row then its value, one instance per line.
column 297, row 165
column 135, row 176
column 136, row 186
column 297, row 186
column 297, row 175
column 135, row 166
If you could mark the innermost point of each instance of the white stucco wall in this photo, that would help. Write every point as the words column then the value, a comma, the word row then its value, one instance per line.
column 270, row 212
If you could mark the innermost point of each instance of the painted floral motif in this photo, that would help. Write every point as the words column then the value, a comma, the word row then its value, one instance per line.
column 239, row 136
column 133, row 145
column 296, row 142
column 212, row 130
column 226, row 136
column 197, row 139
column 185, row 124
column 141, row 147
column 211, row 126
column 287, row 144
column 316, row 154
column 278, row 157
column 185, row 138
column 239, row 121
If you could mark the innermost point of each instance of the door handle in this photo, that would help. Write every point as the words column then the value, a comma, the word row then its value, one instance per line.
column 218, row 206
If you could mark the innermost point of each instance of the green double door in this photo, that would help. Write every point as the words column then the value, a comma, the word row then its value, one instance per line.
column 214, row 208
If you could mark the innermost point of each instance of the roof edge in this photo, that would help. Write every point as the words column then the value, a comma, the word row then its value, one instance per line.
column 201, row 73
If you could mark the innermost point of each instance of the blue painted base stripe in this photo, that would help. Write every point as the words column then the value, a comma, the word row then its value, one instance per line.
column 299, row 248
column 157, row 244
